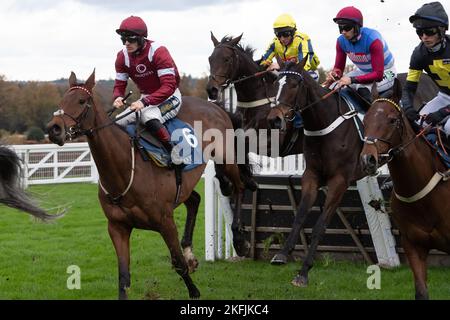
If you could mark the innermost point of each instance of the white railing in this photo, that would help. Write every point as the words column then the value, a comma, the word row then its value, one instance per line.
column 49, row 163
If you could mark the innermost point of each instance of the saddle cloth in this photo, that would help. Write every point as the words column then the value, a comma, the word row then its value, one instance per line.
column 186, row 148
column 433, row 140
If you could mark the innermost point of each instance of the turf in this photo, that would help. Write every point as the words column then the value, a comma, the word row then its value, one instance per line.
column 34, row 258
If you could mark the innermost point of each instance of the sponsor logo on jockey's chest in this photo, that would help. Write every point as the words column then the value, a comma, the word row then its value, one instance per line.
column 358, row 57
column 141, row 70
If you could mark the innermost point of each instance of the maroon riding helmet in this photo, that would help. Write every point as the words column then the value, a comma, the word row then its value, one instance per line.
column 133, row 25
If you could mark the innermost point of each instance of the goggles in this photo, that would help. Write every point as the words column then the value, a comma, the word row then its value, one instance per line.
column 130, row 39
column 284, row 34
column 427, row 31
column 345, row 27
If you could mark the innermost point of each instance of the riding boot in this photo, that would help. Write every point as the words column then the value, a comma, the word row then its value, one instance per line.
column 158, row 130
column 365, row 96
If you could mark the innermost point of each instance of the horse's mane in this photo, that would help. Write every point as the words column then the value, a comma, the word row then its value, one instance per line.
column 248, row 50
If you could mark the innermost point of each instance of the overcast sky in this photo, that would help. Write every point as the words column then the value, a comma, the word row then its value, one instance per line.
column 46, row 39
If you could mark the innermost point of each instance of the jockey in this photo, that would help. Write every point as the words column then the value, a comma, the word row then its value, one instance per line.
column 290, row 45
column 433, row 56
column 153, row 70
column 367, row 49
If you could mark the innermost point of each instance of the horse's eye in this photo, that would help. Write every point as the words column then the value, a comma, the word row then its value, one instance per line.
column 227, row 60
column 393, row 121
column 82, row 101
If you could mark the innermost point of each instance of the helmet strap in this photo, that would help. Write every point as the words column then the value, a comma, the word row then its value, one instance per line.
column 357, row 32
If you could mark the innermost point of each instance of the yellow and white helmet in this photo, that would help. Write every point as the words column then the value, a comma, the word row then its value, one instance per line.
column 285, row 22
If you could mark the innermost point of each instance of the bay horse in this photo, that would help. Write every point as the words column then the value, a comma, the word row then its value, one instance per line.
column 231, row 63
column 147, row 200
column 11, row 193
column 420, row 203
column 331, row 149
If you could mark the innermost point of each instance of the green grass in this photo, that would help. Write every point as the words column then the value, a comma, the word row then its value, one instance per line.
column 34, row 258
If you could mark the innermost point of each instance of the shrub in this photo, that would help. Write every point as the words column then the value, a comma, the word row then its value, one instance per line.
column 36, row 134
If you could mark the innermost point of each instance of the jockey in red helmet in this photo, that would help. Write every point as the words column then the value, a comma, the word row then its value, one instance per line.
column 369, row 52
column 154, row 72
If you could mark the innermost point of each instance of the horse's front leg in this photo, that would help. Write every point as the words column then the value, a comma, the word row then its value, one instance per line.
column 192, row 204
column 417, row 258
column 336, row 189
column 120, row 236
column 310, row 184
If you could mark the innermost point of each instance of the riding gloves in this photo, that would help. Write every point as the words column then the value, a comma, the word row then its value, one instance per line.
column 435, row 117
column 411, row 114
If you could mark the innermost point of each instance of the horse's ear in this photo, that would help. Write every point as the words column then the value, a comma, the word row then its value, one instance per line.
column 374, row 92
column 72, row 79
column 397, row 90
column 236, row 40
column 90, row 82
column 301, row 64
column 214, row 40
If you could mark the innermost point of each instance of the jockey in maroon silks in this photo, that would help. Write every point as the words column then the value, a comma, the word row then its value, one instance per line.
column 153, row 70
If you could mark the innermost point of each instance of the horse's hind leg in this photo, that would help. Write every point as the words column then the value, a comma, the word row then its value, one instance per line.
column 336, row 190
column 170, row 235
column 309, row 194
column 120, row 236
column 417, row 257
column 192, row 204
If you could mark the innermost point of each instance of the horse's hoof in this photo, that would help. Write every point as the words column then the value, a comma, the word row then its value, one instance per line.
column 300, row 281
column 279, row 259
column 194, row 293
column 242, row 248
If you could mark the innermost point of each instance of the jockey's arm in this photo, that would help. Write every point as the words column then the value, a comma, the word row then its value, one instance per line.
column 167, row 88
column 377, row 62
column 339, row 65
column 267, row 57
column 409, row 91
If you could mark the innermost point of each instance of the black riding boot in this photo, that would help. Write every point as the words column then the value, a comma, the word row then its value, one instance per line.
column 365, row 96
column 158, row 130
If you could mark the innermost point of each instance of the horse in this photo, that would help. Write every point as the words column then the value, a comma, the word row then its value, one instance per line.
column 146, row 191
column 331, row 149
column 11, row 193
column 421, row 213
column 231, row 63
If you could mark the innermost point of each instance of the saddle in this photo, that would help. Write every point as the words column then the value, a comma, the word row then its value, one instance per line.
column 151, row 148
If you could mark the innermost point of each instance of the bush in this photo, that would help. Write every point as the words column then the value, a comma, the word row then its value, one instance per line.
column 36, row 134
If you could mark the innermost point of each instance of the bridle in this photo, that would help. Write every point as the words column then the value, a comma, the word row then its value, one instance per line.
column 393, row 151
column 76, row 130
column 289, row 116
column 234, row 62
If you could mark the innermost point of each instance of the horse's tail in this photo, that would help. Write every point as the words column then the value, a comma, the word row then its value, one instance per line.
column 11, row 194
column 245, row 169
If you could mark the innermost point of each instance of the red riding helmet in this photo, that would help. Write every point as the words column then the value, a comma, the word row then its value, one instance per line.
column 133, row 25
column 350, row 14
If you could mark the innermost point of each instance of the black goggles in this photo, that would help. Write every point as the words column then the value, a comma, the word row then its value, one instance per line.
column 427, row 31
column 130, row 39
column 345, row 27
column 284, row 34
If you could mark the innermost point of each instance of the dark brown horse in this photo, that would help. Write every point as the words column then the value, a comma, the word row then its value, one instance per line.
column 147, row 199
column 420, row 205
column 11, row 193
column 231, row 63
column 331, row 149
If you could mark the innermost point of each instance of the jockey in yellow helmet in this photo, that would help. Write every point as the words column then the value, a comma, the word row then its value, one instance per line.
column 291, row 45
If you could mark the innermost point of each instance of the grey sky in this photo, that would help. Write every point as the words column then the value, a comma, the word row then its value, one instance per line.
column 45, row 40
